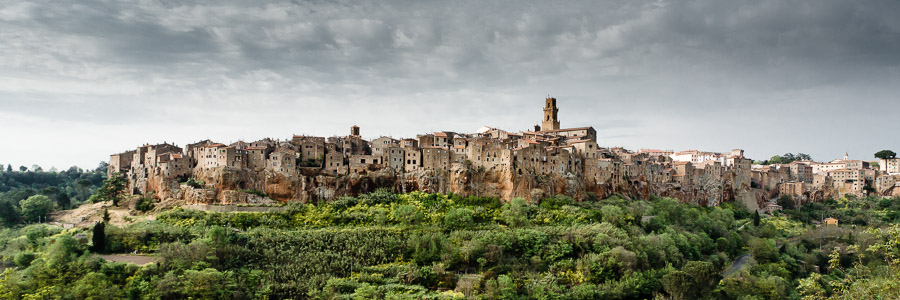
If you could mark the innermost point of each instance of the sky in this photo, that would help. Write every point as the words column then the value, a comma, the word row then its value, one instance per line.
column 80, row 80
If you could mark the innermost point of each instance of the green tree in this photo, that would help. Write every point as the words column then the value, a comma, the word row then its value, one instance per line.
column 98, row 237
column 35, row 207
column 786, row 202
column 704, row 276
column 776, row 159
column 9, row 213
column 63, row 200
column 96, row 286
column 82, row 186
column 112, row 190
column 407, row 215
column 756, row 218
column 677, row 284
column 886, row 154
column 515, row 213
column 458, row 218
column 612, row 214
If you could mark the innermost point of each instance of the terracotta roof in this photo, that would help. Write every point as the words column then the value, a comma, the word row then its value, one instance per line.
column 567, row 129
column 440, row 134
column 652, row 150
column 529, row 141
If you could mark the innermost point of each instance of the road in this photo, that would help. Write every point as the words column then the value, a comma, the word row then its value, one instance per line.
column 737, row 265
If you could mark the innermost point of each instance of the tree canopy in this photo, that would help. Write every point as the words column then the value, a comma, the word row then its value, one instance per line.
column 886, row 154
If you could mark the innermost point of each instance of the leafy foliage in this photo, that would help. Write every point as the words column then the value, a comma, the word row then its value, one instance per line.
column 433, row 246
column 113, row 190
column 886, row 154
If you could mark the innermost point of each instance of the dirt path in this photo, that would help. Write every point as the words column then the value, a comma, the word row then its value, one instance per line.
column 124, row 258
column 88, row 214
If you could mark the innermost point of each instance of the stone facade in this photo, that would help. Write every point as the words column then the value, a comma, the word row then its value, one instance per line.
column 490, row 162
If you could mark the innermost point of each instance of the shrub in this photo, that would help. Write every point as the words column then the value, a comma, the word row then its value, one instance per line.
column 144, row 204
column 458, row 218
column 23, row 259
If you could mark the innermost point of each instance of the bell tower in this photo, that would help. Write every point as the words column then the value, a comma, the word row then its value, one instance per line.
column 550, row 121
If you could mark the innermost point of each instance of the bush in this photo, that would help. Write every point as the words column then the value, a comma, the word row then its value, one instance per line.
column 144, row 204
column 458, row 218
column 23, row 259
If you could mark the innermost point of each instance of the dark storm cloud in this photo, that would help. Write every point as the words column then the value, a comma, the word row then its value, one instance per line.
column 677, row 74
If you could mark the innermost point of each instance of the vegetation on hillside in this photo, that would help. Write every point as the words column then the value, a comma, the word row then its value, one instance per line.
column 433, row 246
column 63, row 189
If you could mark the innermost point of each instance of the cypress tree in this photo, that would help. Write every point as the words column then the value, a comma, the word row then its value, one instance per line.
column 756, row 219
column 99, row 237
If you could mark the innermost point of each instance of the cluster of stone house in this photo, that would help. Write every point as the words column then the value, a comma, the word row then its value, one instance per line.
column 835, row 178
column 545, row 151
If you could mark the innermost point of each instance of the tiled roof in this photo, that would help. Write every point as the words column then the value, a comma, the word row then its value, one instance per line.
column 567, row 129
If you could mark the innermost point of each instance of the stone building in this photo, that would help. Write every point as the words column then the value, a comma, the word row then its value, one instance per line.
column 551, row 120
column 120, row 163
column 257, row 157
column 283, row 159
column 394, row 158
column 890, row 165
column 311, row 149
column 568, row 156
column 362, row 163
column 409, row 143
column 336, row 163
column 379, row 145
column 435, row 158
column 801, row 172
column 413, row 157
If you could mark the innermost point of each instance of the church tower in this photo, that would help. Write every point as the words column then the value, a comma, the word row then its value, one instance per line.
column 550, row 122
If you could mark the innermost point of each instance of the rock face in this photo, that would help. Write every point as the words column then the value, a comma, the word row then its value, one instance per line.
column 225, row 185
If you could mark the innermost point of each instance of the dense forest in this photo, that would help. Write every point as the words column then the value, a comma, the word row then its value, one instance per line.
column 432, row 246
column 28, row 195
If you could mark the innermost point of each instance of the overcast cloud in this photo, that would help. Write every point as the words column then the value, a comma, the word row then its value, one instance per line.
column 80, row 80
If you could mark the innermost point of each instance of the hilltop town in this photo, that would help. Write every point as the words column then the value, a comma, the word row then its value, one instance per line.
column 489, row 162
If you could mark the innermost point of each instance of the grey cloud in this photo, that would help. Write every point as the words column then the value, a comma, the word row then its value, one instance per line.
column 630, row 68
